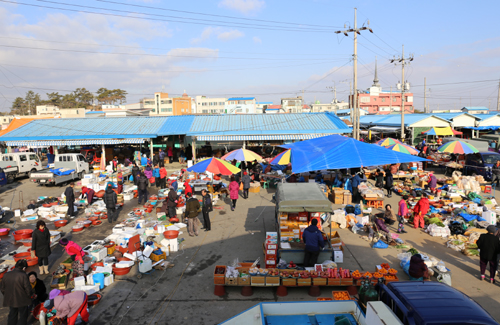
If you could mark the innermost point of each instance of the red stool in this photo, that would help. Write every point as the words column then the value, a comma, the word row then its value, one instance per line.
column 246, row 291
column 487, row 189
column 219, row 291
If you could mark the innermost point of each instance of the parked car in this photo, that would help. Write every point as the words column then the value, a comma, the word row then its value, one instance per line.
column 481, row 163
column 72, row 165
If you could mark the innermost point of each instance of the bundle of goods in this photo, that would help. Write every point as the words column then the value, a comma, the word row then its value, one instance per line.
column 436, row 231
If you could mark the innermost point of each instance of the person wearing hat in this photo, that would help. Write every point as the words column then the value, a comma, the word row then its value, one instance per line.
column 17, row 292
column 246, row 180
column 70, row 306
column 489, row 247
column 172, row 202
column 69, row 193
column 419, row 211
column 187, row 188
column 40, row 246
column 192, row 207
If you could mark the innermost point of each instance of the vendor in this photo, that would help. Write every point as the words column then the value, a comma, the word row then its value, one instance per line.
column 489, row 248
column 38, row 288
column 187, row 188
column 379, row 178
column 313, row 238
column 76, row 253
column 389, row 181
column 382, row 228
column 88, row 193
column 70, row 306
column 389, row 217
column 419, row 211
column 418, row 270
column 355, row 181
column 432, row 182
column 119, row 181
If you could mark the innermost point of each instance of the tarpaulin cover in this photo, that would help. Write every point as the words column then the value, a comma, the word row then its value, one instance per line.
column 58, row 172
column 441, row 131
column 300, row 197
column 337, row 152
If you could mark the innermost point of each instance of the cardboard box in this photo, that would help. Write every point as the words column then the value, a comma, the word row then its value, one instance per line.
column 289, row 282
column 272, row 280
column 338, row 255
column 254, row 190
column 347, row 198
column 258, row 281
column 363, row 219
column 335, row 238
column 29, row 218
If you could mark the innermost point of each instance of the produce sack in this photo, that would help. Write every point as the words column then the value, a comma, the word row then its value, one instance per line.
column 380, row 244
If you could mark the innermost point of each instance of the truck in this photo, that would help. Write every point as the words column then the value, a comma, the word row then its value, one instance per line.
column 481, row 163
column 67, row 167
column 17, row 164
column 405, row 302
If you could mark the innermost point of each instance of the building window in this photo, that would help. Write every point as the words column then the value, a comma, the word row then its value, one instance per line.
column 153, row 110
column 166, row 101
column 205, row 111
column 393, row 99
column 383, row 100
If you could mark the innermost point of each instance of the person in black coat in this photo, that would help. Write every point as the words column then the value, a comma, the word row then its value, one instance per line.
column 39, row 288
column 207, row 208
column 489, row 247
column 17, row 292
column 70, row 200
column 389, row 179
column 142, row 188
column 110, row 199
column 40, row 246
column 135, row 173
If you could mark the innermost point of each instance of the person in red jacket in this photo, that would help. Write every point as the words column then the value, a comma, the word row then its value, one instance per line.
column 420, row 210
column 187, row 188
column 163, row 177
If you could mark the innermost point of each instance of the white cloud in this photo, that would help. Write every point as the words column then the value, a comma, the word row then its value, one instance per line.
column 243, row 6
column 257, row 40
column 230, row 35
column 221, row 33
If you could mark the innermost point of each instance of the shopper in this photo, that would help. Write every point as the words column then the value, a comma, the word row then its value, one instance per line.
column 110, row 199
column 192, row 207
column 418, row 270
column 149, row 174
column 187, row 188
column 419, row 211
column 76, row 254
column 355, row 182
column 207, row 208
column 88, row 193
column 70, row 306
column 144, row 160
column 163, row 176
column 156, row 175
column 389, row 216
column 172, row 202
column 170, row 154
column 70, row 200
column 432, row 182
column 234, row 189
column 156, row 159
column 389, row 179
column 115, row 163
column 313, row 238
column 38, row 288
column 119, row 181
column 402, row 213
column 496, row 173
column 161, row 155
column 489, row 247
column 136, row 172
column 142, row 189
column 40, row 246
column 379, row 178
column 17, row 292
column 246, row 180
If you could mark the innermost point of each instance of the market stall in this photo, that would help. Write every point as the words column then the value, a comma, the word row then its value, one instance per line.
column 296, row 205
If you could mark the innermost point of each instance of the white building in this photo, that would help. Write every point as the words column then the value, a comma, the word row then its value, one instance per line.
column 330, row 107
column 135, row 109
column 47, row 110
column 262, row 106
column 292, row 105
column 241, row 105
column 206, row 105
column 475, row 110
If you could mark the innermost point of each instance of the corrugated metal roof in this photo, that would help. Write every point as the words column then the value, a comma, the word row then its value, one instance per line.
column 477, row 108
column 241, row 98
column 250, row 124
column 175, row 125
column 394, row 120
column 483, row 117
column 451, row 116
column 88, row 128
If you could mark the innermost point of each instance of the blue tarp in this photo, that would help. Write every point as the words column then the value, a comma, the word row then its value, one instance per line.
column 482, row 128
column 58, row 172
column 339, row 152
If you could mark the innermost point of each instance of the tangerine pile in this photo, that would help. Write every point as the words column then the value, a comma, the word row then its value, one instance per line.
column 341, row 295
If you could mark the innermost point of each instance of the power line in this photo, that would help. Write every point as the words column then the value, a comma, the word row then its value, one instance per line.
column 212, row 15
column 148, row 54
column 327, row 75
column 220, row 24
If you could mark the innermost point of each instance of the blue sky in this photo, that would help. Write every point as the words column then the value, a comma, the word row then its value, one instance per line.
column 262, row 48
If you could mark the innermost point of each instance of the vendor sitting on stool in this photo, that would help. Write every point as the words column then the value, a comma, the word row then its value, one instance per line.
column 313, row 238
column 418, row 270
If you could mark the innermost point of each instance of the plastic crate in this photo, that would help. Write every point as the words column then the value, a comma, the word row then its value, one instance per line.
column 220, row 278
column 154, row 257
column 258, row 281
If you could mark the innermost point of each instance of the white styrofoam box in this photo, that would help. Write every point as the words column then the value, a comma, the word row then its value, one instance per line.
column 113, row 237
column 100, row 255
column 160, row 229
column 128, row 197
column 147, row 251
column 90, row 279
column 79, row 281
column 103, row 269
column 29, row 218
column 109, row 279
column 180, row 211
column 118, row 229
column 89, row 176
column 61, row 208
column 490, row 217
column 338, row 256
column 129, row 229
column 473, row 206
column 17, row 213
column 363, row 220
column 43, row 209
column 86, row 181
column 173, row 244
column 88, row 289
column 124, row 264
column 129, row 256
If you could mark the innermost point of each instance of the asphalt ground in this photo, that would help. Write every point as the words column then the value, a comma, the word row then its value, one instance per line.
column 184, row 294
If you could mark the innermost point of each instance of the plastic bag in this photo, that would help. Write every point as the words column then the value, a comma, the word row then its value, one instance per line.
column 380, row 244
column 444, row 278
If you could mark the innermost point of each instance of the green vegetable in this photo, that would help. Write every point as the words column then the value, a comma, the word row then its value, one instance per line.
column 413, row 251
column 434, row 220
column 402, row 246
column 439, row 224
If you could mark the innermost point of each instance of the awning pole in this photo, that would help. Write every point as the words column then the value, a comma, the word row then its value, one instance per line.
column 194, row 148
column 151, row 148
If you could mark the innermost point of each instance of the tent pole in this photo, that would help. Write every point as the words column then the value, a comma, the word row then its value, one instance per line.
column 412, row 135
column 151, row 148
column 194, row 149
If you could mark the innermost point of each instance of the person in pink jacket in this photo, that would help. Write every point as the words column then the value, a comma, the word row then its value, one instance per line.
column 76, row 253
column 70, row 306
column 234, row 189
column 402, row 212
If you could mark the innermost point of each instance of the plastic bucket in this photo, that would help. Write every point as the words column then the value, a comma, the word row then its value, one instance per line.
column 98, row 278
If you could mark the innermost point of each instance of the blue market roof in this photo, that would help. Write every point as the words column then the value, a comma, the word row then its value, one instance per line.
column 264, row 103
column 175, row 125
column 476, row 108
column 255, row 124
column 451, row 116
column 241, row 98
column 95, row 112
column 394, row 120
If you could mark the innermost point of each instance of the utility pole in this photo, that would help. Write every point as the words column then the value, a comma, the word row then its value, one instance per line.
column 404, row 86
column 498, row 97
column 425, row 95
column 355, row 113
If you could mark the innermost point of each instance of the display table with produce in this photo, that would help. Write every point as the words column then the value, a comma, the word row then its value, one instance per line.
column 296, row 205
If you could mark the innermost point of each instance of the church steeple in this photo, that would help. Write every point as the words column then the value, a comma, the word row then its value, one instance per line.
column 375, row 80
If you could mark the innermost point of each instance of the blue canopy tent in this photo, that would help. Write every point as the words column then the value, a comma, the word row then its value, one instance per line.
column 338, row 152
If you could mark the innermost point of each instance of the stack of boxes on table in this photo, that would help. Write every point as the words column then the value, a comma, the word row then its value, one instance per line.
column 292, row 225
column 342, row 196
column 271, row 250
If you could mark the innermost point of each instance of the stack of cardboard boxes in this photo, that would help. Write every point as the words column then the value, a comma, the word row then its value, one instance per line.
column 271, row 250
column 342, row 196
column 292, row 225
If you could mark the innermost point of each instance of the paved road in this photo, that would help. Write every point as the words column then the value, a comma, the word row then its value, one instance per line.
column 184, row 293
